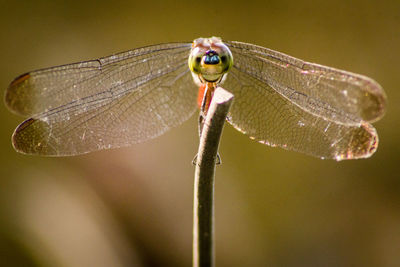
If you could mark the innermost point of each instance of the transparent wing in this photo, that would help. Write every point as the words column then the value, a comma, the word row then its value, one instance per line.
column 106, row 103
column 332, row 94
column 282, row 101
column 42, row 90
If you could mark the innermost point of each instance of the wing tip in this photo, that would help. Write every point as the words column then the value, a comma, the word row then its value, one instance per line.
column 24, row 140
column 29, row 139
column 20, row 79
column 17, row 139
column 378, row 101
column 363, row 150
column 12, row 97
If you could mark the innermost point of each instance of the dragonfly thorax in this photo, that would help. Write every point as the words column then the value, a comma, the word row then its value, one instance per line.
column 210, row 59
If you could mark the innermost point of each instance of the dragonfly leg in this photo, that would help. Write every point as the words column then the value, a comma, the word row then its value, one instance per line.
column 218, row 162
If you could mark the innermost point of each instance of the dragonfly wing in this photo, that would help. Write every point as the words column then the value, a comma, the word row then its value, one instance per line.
column 120, row 100
column 335, row 95
column 262, row 113
column 42, row 90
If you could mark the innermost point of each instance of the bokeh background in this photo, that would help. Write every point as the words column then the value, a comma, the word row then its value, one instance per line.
column 133, row 206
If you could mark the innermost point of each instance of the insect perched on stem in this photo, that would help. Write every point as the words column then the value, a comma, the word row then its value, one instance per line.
column 138, row 95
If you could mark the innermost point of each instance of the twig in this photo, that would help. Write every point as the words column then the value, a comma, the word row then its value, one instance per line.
column 203, row 205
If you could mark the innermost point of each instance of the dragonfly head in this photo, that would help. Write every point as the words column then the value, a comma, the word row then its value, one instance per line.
column 210, row 59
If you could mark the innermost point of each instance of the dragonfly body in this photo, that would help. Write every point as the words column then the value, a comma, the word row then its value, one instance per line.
column 139, row 94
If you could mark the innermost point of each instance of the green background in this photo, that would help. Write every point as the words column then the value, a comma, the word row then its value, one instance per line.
column 133, row 206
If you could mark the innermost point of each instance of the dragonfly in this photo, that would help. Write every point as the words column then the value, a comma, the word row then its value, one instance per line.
column 137, row 95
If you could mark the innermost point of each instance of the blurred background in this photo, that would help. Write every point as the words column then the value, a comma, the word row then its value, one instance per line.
column 133, row 206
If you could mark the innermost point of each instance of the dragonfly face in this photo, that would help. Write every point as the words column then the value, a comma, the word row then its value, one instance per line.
column 209, row 59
